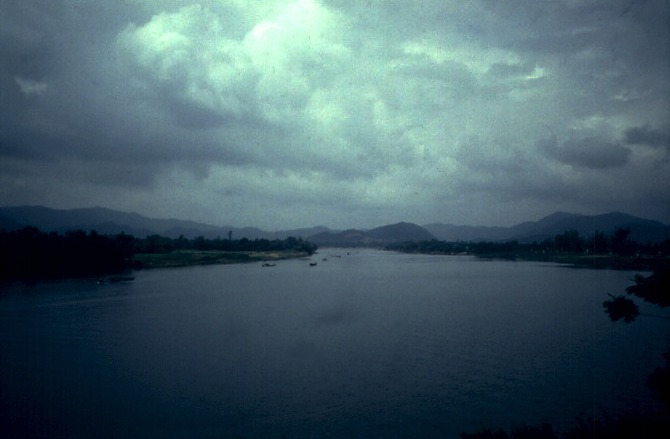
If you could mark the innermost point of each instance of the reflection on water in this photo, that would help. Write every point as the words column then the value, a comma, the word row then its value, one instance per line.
column 371, row 344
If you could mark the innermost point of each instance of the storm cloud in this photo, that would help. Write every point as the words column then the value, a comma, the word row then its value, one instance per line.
column 589, row 153
column 645, row 135
column 291, row 113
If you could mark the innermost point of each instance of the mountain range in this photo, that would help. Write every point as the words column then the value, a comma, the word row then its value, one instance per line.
column 399, row 232
column 642, row 230
column 107, row 221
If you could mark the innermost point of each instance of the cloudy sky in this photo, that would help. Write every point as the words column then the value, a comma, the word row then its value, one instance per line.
column 293, row 113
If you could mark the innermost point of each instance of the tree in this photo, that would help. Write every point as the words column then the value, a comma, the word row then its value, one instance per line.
column 621, row 307
column 621, row 244
column 600, row 242
column 570, row 242
column 544, row 431
column 653, row 289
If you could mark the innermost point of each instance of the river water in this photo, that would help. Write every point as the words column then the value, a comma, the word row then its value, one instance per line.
column 365, row 344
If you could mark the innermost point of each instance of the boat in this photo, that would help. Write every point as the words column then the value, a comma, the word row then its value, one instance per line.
column 312, row 264
column 115, row 279
column 267, row 264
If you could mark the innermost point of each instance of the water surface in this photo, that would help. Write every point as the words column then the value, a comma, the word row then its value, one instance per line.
column 368, row 344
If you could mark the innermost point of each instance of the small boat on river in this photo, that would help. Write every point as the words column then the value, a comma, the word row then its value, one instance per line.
column 115, row 279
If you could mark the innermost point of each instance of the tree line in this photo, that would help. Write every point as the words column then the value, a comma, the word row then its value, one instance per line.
column 618, row 243
column 163, row 244
column 29, row 253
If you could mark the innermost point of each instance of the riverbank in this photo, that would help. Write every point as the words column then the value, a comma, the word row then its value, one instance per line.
column 580, row 260
column 185, row 258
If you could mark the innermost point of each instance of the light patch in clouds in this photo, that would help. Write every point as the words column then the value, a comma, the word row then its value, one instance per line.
column 474, row 58
column 189, row 61
column 269, row 73
column 30, row 87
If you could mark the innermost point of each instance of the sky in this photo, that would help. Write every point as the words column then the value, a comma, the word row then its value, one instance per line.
column 295, row 113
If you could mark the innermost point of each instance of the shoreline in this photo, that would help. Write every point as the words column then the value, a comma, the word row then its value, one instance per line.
column 187, row 258
column 175, row 259
column 594, row 262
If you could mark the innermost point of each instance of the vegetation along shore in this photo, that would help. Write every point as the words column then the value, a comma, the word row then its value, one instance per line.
column 30, row 254
column 600, row 250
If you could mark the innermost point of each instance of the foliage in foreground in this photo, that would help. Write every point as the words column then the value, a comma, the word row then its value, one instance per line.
column 622, row 427
column 654, row 289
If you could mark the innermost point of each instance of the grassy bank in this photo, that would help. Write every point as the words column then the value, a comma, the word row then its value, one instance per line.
column 185, row 258
column 611, row 262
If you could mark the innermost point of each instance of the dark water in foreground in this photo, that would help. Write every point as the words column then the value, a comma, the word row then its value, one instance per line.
column 371, row 344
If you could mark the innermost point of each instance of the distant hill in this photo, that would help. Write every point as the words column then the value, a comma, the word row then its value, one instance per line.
column 105, row 221
column 642, row 230
column 111, row 222
column 451, row 232
column 346, row 238
column 108, row 221
column 399, row 232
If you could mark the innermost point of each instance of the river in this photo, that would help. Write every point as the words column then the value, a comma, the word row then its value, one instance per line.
column 365, row 344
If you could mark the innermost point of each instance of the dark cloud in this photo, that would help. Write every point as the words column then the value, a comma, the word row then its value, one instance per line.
column 293, row 113
column 646, row 135
column 591, row 153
